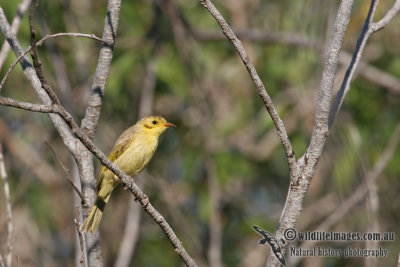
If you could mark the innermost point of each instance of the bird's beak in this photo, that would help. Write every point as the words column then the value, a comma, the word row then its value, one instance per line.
column 168, row 124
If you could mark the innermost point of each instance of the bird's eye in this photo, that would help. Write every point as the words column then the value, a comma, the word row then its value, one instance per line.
column 154, row 122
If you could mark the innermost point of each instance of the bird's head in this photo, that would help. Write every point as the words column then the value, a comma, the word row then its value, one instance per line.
column 155, row 125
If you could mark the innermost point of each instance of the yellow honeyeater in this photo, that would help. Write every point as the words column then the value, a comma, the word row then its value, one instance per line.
column 131, row 153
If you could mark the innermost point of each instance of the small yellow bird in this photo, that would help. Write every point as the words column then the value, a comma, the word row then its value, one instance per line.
column 131, row 153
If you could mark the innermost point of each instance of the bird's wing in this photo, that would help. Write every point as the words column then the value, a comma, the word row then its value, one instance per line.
column 120, row 146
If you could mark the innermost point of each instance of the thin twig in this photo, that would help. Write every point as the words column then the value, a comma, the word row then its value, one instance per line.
column 4, row 177
column 230, row 35
column 5, row 101
column 387, row 18
column 83, row 259
column 361, row 42
column 68, row 175
column 12, row 66
column 5, row 48
column 40, row 43
column 72, row 34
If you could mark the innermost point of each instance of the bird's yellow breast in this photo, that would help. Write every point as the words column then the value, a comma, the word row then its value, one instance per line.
column 138, row 154
column 134, row 158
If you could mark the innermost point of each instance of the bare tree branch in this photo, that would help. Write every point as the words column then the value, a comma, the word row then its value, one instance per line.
column 373, row 74
column 72, row 34
column 92, row 114
column 230, row 35
column 90, row 121
column 387, row 18
column 9, row 102
column 5, row 48
column 320, row 131
column 308, row 162
column 361, row 42
column 4, row 177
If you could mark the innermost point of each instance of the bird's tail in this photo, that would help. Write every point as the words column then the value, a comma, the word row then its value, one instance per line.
column 92, row 222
